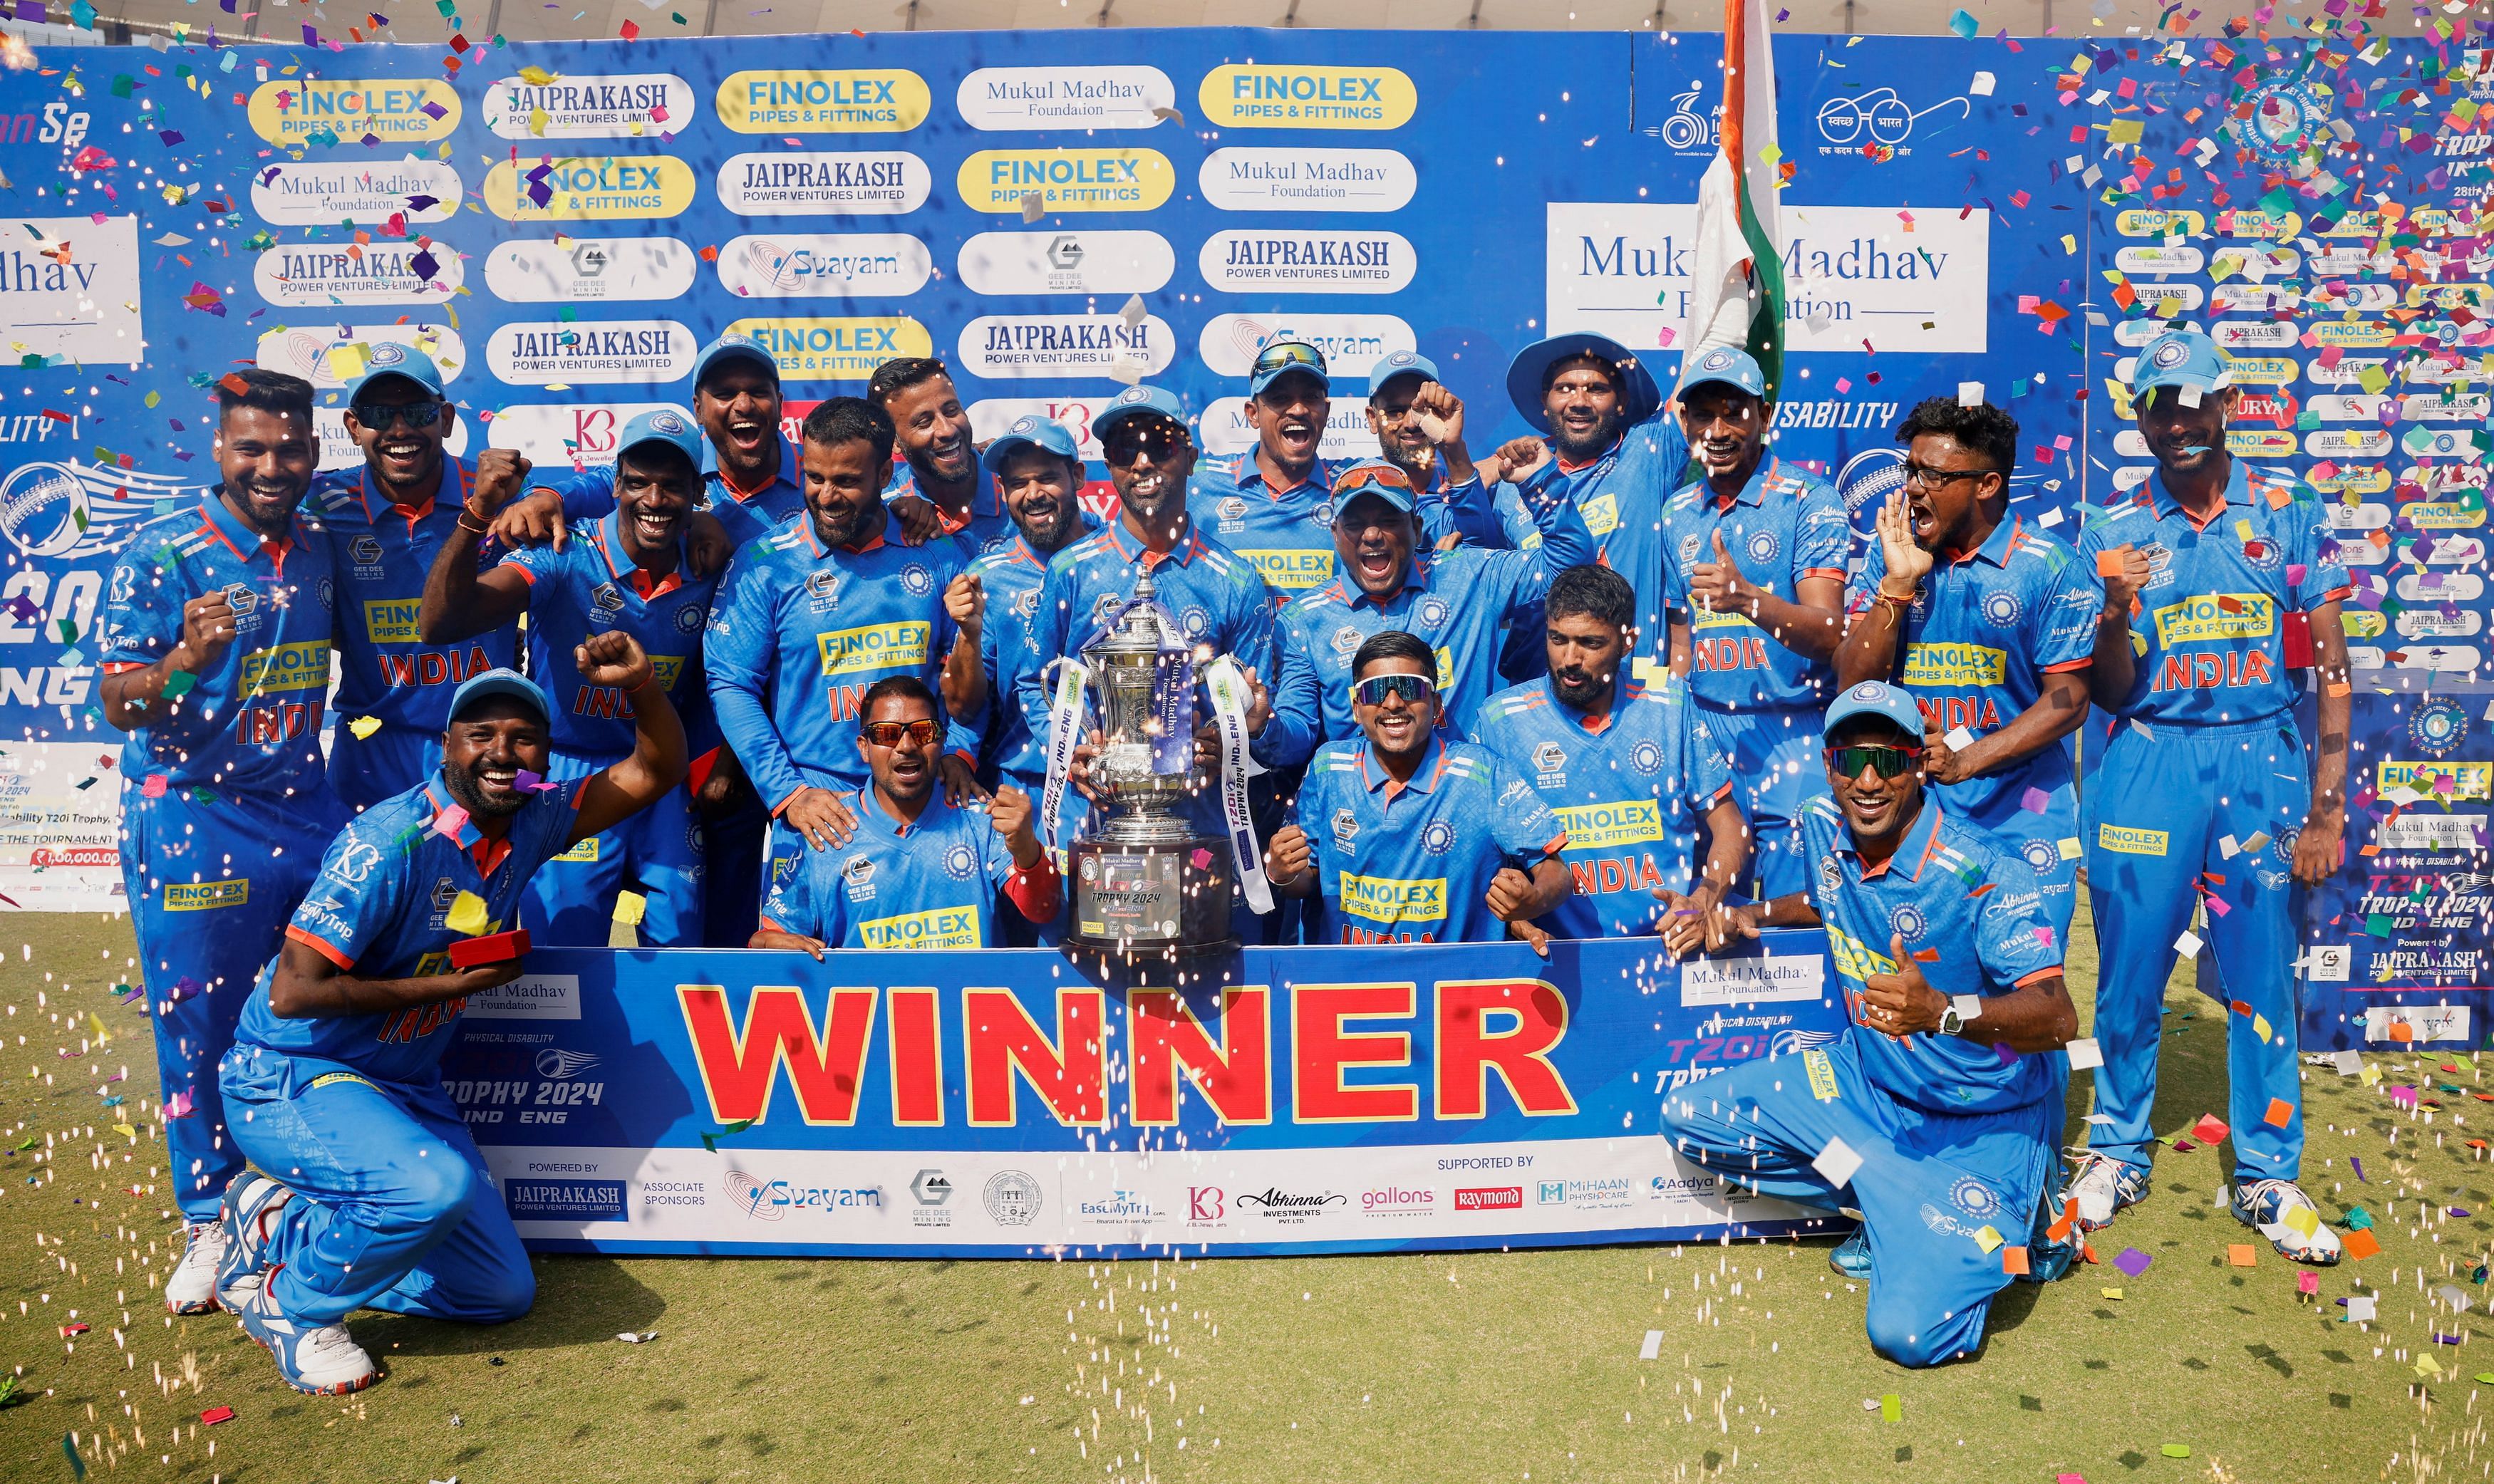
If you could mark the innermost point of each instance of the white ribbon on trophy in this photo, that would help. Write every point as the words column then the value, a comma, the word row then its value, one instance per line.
column 1229, row 691
column 1064, row 734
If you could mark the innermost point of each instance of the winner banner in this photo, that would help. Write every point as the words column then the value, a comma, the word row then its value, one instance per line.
column 1319, row 1100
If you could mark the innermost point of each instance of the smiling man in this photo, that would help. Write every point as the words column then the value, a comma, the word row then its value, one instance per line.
column 918, row 874
column 1273, row 504
column 939, row 487
column 336, row 1072
column 629, row 573
column 1993, row 643
column 1936, row 1113
column 215, row 655
column 2204, row 791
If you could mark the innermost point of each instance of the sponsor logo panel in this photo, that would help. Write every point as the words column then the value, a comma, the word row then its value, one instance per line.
column 1254, row 178
column 1005, row 99
column 353, row 110
column 545, row 352
column 863, row 101
column 570, row 270
column 610, row 105
column 836, row 349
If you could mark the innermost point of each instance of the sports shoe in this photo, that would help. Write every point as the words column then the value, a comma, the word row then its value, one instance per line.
column 191, row 1287
column 2101, row 1187
column 1852, row 1256
column 326, row 1362
column 2274, row 1207
column 252, row 1204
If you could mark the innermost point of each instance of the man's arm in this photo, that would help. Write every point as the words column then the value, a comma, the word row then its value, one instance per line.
column 2059, row 710
column 2318, row 848
column 134, row 697
column 308, row 985
column 1298, row 698
column 1886, row 589
column 657, row 759
column 963, row 682
column 1566, row 539
column 1289, row 867
column 460, row 602
column 2036, row 1016
column 2116, row 668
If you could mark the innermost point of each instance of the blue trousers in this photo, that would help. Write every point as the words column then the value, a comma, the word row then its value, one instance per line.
column 394, row 1208
column 1928, row 1184
column 734, row 848
column 1775, row 760
column 211, row 886
column 570, row 901
column 364, row 771
column 2158, row 810
column 2037, row 836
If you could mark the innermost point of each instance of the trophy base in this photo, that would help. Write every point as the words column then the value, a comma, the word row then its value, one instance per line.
column 1145, row 898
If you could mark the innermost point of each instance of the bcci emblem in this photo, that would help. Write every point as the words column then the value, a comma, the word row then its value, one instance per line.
column 1646, row 757
column 1323, row 515
column 959, row 862
column 1717, row 360
column 690, row 619
column 1195, row 621
column 1433, row 612
column 1974, row 1199
column 1763, row 546
column 1024, row 427
column 2167, row 356
column 2042, row 857
column 1908, row 921
column 2438, row 727
column 917, row 581
column 1868, row 690
column 1438, row 838
column 2001, row 608
column 386, row 353
column 669, row 424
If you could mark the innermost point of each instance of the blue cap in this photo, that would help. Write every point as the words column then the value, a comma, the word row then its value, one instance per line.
column 388, row 358
column 1639, row 398
column 1136, row 402
column 1371, row 476
column 1731, row 365
column 1874, row 698
column 671, row 426
column 1400, row 363
column 734, row 347
column 2181, row 358
column 1278, row 358
column 501, row 680
column 1032, row 432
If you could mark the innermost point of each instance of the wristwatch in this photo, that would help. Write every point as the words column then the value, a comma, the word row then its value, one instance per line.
column 1961, row 1008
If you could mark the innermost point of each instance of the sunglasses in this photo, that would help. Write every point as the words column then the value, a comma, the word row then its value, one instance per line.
column 1361, row 476
column 1279, row 358
column 1891, row 761
column 380, row 415
column 1136, row 436
column 1415, row 689
column 888, row 734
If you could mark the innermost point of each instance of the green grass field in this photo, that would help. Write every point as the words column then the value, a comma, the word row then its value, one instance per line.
column 1518, row 1366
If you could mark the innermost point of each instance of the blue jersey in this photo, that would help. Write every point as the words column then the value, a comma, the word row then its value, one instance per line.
column 1631, row 794
column 1620, row 495
column 1984, row 630
column 251, row 722
column 2207, row 632
column 381, row 553
column 1287, row 534
column 1413, row 862
column 932, row 884
column 986, row 530
column 1972, row 919
column 1010, row 579
column 379, row 909
column 1783, row 527
column 799, row 630
column 1458, row 601
column 589, row 587
column 748, row 515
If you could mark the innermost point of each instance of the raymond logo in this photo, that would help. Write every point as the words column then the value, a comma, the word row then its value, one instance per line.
column 1490, row 1197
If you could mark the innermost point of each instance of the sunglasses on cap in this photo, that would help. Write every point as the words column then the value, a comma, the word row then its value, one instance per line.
column 888, row 734
column 1415, row 689
column 1891, row 761
column 1285, row 355
column 1352, row 481
column 380, row 415
column 1143, row 434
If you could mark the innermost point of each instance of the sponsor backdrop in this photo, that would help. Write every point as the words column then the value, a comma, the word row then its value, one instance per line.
column 911, row 1105
column 562, row 225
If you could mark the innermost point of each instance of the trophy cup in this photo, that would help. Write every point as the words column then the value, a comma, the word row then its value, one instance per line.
column 1145, row 880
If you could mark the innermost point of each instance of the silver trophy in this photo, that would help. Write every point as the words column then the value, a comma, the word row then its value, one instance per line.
column 1146, row 880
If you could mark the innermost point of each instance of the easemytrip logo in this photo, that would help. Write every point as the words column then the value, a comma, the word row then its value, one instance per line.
column 611, row 105
column 2208, row 618
column 327, row 194
column 589, row 188
column 824, row 184
column 1281, row 96
column 362, row 110
column 2468, row 780
column 818, row 266
column 864, row 100
column 996, row 180
column 770, row 1201
column 835, row 349
column 347, row 274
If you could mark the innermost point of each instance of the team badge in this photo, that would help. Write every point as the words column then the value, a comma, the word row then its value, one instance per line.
column 1346, row 641
column 1107, row 605
column 1763, row 546
column 1974, row 1198
column 365, row 550
column 917, row 581
column 1195, row 621
column 1439, row 837
column 2167, row 356
column 1433, row 612
column 959, row 862
column 2042, row 856
column 1829, row 876
column 1717, row 359
column 1323, row 515
column 386, row 353
column 690, row 619
column 2001, row 608
column 1908, row 921
column 445, row 891
column 1549, row 757
column 1646, row 757
column 2438, row 727
column 1868, row 690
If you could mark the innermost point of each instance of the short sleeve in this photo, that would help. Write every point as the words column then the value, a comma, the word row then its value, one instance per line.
column 1702, row 763
column 143, row 614
column 791, row 906
column 1312, row 812
column 1518, row 820
column 995, row 855
column 1860, row 589
column 1822, row 534
column 542, row 565
column 1675, row 582
column 2312, row 566
column 362, row 888
column 2063, row 620
column 2014, row 940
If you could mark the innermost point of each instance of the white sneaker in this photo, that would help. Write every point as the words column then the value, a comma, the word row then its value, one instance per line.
column 2275, row 1209
column 191, row 1286
column 2102, row 1187
column 324, row 1362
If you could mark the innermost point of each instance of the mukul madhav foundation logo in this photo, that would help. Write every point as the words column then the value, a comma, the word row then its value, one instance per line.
column 381, row 110
column 1277, row 96
column 874, row 101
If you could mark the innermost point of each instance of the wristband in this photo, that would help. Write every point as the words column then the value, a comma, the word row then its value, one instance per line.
column 1883, row 596
column 469, row 520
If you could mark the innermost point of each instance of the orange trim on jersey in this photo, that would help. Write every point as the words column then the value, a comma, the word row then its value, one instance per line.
column 2038, row 977
column 1835, row 572
column 2068, row 665
column 124, row 666
column 319, row 944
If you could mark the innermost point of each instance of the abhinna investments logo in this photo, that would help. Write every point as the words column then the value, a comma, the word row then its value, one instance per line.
column 1280, row 96
column 375, row 111
column 867, row 101
column 836, row 349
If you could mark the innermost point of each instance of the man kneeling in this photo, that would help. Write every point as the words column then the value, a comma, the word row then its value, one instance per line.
column 334, row 1084
column 1936, row 1114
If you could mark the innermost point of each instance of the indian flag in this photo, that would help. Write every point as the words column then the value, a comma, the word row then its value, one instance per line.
column 1739, row 295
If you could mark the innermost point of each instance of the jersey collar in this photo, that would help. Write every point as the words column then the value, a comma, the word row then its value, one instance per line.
column 985, row 502
column 1566, row 467
column 1248, row 472
column 1415, row 579
column 2238, row 492
column 486, row 852
column 1921, row 839
column 716, row 479
column 1123, row 541
column 1374, row 777
column 608, row 536
column 1995, row 547
column 873, row 815
column 1752, row 493
column 453, row 472
column 245, row 542
column 1583, row 721
column 814, row 539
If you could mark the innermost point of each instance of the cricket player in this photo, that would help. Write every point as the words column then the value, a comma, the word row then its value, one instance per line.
column 939, row 488
column 2213, row 573
column 1937, row 1113
column 1993, row 643
column 369, row 1191
column 215, row 655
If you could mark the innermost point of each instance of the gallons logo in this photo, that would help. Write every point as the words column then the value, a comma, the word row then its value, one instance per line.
column 1010, row 99
column 1398, row 1201
column 837, row 185
column 611, row 107
column 305, row 275
column 543, row 352
column 996, row 181
column 1067, row 262
column 879, row 101
column 769, row 1200
column 1250, row 179
column 375, row 111
column 798, row 265
column 359, row 195
column 589, row 188
column 835, row 349
column 1279, row 96
column 1027, row 346
column 572, row 269
column 1318, row 261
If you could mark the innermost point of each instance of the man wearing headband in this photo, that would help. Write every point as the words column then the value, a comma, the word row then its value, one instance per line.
column 1936, row 1114
column 1407, row 837
column 2219, row 583
column 335, row 1074
column 1754, row 564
